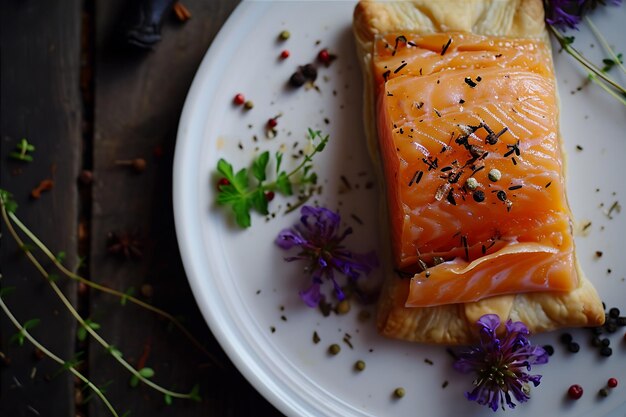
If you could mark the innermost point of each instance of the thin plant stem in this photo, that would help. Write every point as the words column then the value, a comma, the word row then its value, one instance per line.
column 108, row 290
column 605, row 44
column 603, row 85
column 55, row 358
column 82, row 322
column 584, row 61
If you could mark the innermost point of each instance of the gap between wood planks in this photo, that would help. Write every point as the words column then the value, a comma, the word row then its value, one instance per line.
column 85, row 181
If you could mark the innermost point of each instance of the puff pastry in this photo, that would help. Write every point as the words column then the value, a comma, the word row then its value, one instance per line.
column 433, row 71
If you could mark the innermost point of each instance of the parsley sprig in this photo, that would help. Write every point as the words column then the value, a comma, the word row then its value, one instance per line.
column 244, row 195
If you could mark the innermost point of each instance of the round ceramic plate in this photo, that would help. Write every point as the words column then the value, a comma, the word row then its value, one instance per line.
column 249, row 294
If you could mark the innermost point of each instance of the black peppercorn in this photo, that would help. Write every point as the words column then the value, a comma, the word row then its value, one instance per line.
column 596, row 342
column 566, row 338
column 309, row 72
column 614, row 312
column 479, row 196
column 549, row 349
column 573, row 347
column 606, row 351
column 297, row 79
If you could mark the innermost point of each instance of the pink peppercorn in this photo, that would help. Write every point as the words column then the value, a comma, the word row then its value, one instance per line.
column 575, row 392
column 324, row 56
column 239, row 99
column 284, row 54
column 612, row 382
column 271, row 123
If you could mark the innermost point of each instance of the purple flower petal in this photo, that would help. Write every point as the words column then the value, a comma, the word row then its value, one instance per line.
column 317, row 234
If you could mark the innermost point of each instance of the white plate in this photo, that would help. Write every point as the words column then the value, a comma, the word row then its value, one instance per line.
column 227, row 267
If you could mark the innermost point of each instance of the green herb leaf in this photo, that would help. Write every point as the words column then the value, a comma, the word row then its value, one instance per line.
column 259, row 202
column 146, row 372
column 4, row 291
column 114, row 351
column 241, row 208
column 195, row 393
column 60, row 257
column 128, row 293
column 279, row 160
column 168, row 399
column 568, row 40
column 6, row 199
column 22, row 150
column 283, row 184
column 260, row 165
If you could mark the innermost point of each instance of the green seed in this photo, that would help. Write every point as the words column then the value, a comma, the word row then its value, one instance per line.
column 359, row 365
column 494, row 175
column 399, row 392
column 343, row 307
column 334, row 349
column 248, row 105
column 471, row 183
column 284, row 35
column 604, row 392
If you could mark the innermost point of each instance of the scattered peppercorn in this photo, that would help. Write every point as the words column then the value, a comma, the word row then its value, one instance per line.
column 603, row 392
column 614, row 312
column 573, row 347
column 606, row 351
column 479, row 196
column 309, row 71
column 471, row 183
column 343, row 307
column 612, row 382
column 549, row 349
column 284, row 54
column 323, row 56
column 359, row 365
column 239, row 99
column 297, row 79
column 284, row 35
column 334, row 349
column 605, row 342
column 596, row 342
column 494, row 175
column 248, row 105
column 222, row 182
column 399, row 392
column 575, row 392
column 269, row 196
column 566, row 338
column 272, row 123
column 85, row 177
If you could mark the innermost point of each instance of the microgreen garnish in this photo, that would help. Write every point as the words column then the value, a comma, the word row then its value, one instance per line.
column 242, row 197
column 317, row 235
column 23, row 150
column 568, row 14
column 501, row 363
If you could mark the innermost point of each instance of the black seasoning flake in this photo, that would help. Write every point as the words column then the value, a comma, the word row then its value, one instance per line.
column 461, row 101
column 465, row 247
column 469, row 82
column 498, row 56
column 272, row 329
column 345, row 182
column 479, row 79
column 346, row 340
column 450, row 198
column 389, row 94
column 437, row 112
column 445, row 47
column 356, row 219
column 419, row 105
column 514, row 160
column 283, row 318
column 548, row 184
column 316, row 338
column 599, row 253
column 586, row 226
column 240, row 146
column 515, row 187
column 579, row 148
column 386, row 75
column 501, row 195
column 400, row 68
column 444, row 169
column 399, row 39
column 445, row 384
column 428, row 361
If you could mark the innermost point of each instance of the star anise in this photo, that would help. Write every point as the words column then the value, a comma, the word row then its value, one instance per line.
column 125, row 244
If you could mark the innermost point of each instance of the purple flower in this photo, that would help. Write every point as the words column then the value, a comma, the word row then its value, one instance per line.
column 568, row 13
column 317, row 236
column 501, row 364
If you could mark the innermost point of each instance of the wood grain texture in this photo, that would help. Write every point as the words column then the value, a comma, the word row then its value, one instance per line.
column 139, row 98
column 40, row 100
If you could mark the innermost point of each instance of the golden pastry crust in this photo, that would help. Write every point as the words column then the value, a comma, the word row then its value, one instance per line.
column 453, row 324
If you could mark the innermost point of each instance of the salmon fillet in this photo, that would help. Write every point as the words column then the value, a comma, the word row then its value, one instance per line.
column 459, row 106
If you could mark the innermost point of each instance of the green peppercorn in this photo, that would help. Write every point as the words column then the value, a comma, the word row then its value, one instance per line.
column 494, row 175
column 343, row 307
column 248, row 105
column 603, row 392
column 334, row 349
column 284, row 35
column 471, row 183
column 359, row 365
column 399, row 392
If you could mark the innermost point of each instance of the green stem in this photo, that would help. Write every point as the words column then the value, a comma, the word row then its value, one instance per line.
column 108, row 290
column 605, row 44
column 78, row 318
column 603, row 85
column 584, row 61
column 55, row 358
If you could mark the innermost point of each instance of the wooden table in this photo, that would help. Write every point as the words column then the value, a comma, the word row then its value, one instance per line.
column 85, row 100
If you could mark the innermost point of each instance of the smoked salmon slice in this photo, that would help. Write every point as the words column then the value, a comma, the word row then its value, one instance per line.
column 453, row 107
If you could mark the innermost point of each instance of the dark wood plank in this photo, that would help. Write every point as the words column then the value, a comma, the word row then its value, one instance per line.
column 40, row 101
column 139, row 98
